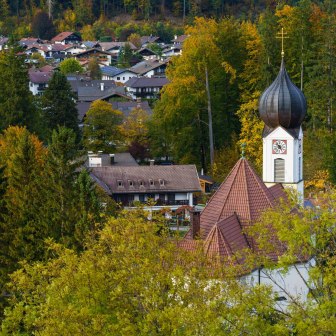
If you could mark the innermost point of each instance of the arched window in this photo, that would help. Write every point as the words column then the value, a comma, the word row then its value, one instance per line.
column 279, row 170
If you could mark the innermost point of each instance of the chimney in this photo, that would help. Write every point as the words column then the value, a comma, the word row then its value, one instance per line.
column 195, row 223
column 151, row 162
column 101, row 86
column 112, row 162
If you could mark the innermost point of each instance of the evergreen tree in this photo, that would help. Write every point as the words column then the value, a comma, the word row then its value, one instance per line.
column 62, row 164
column 16, row 101
column 42, row 26
column 58, row 103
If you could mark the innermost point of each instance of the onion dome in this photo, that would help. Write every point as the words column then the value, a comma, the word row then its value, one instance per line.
column 282, row 103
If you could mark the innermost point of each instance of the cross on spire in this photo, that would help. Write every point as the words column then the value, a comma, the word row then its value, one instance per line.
column 282, row 35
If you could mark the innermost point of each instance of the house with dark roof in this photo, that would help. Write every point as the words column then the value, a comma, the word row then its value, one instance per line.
column 150, row 68
column 126, row 107
column 145, row 40
column 66, row 38
column 103, row 57
column 147, row 53
column 117, row 74
column 115, row 47
column 38, row 81
column 144, row 87
column 169, row 186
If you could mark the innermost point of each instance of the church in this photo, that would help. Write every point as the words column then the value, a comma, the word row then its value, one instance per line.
column 243, row 196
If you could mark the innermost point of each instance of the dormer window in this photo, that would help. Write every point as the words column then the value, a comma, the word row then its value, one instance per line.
column 151, row 182
column 141, row 183
column 130, row 182
column 161, row 182
column 120, row 183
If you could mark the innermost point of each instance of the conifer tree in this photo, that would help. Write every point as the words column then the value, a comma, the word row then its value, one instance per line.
column 58, row 103
column 16, row 101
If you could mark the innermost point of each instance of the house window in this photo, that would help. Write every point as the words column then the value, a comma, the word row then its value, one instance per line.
column 279, row 170
column 161, row 182
column 123, row 78
column 130, row 183
column 118, row 78
column 151, row 182
column 141, row 198
column 120, row 183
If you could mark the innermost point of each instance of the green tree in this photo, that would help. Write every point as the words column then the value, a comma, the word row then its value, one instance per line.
column 101, row 127
column 70, row 66
column 22, row 228
column 125, row 56
column 16, row 101
column 58, row 104
column 133, row 281
column 42, row 26
column 94, row 68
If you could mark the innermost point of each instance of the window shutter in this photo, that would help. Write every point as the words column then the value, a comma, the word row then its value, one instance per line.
column 279, row 170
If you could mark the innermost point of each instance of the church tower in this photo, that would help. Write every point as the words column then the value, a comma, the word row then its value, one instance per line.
column 283, row 107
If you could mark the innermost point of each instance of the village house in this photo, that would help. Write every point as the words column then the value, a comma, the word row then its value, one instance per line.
column 103, row 57
column 117, row 74
column 66, row 38
column 128, row 183
column 150, row 68
column 38, row 81
column 145, row 88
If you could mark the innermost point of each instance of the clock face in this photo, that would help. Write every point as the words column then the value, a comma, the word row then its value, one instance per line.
column 279, row 147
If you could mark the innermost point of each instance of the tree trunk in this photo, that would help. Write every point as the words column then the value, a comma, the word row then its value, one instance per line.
column 211, row 142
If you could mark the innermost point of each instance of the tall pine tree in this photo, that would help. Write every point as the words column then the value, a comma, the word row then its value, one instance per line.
column 58, row 103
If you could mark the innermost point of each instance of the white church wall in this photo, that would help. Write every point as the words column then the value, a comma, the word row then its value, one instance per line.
column 288, row 285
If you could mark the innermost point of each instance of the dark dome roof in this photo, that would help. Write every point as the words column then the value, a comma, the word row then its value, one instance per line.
column 282, row 103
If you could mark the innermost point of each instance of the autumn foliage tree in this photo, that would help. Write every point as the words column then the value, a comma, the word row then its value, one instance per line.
column 101, row 127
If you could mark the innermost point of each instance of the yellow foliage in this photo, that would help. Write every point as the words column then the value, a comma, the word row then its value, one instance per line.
column 319, row 182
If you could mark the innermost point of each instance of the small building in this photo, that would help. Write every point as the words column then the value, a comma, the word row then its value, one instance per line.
column 128, row 184
column 103, row 57
column 150, row 68
column 144, row 87
column 38, row 81
column 66, row 38
column 117, row 74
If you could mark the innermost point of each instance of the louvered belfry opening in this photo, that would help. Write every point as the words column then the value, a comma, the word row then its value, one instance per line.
column 279, row 170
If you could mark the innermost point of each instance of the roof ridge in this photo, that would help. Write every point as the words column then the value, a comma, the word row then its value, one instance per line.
column 258, row 180
column 247, row 190
column 218, row 190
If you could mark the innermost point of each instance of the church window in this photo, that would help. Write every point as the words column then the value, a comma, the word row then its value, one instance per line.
column 279, row 170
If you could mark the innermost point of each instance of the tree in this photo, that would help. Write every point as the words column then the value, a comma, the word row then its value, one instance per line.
column 135, row 39
column 132, row 281
column 70, row 66
column 58, row 104
column 16, row 101
column 201, row 95
column 134, row 130
column 42, row 26
column 101, row 132
column 125, row 56
column 22, row 228
column 94, row 68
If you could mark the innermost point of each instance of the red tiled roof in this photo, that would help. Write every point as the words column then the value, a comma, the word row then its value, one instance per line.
column 238, row 202
column 243, row 192
column 61, row 36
